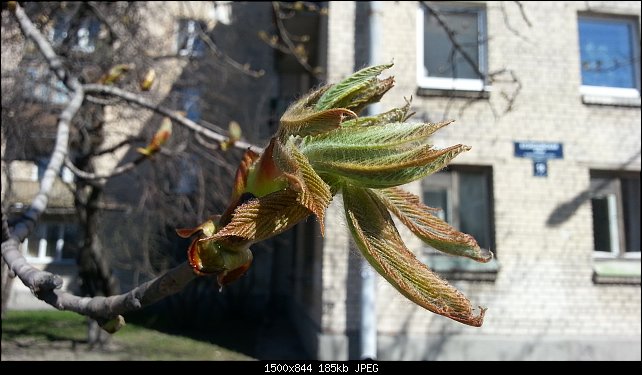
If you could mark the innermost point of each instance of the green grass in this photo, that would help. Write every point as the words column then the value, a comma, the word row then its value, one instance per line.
column 132, row 342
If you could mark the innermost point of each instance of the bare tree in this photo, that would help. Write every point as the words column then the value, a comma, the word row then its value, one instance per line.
column 89, row 49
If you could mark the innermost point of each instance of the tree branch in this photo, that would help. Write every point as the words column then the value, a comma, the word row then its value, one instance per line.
column 45, row 285
column 452, row 36
column 31, row 32
column 243, row 68
column 289, row 47
column 137, row 99
column 103, row 176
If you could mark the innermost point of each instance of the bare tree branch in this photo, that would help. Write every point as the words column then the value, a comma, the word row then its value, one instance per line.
column 45, row 285
column 523, row 13
column 507, row 22
column 290, row 47
column 137, row 99
column 452, row 36
column 103, row 176
column 243, row 68
column 31, row 32
column 124, row 142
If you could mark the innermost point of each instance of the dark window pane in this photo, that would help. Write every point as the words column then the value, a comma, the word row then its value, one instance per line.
column 438, row 199
column 474, row 210
column 70, row 247
column 190, row 102
column 189, row 41
column 440, row 57
column 53, row 235
column 606, row 53
column 34, row 240
column 631, row 203
column 601, row 228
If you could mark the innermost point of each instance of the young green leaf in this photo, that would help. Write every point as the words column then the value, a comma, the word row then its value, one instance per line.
column 376, row 236
column 431, row 229
column 354, row 83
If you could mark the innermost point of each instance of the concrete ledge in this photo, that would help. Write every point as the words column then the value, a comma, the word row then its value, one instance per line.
column 455, row 347
column 503, row 348
column 610, row 100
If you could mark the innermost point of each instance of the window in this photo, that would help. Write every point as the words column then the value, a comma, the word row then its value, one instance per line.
column 188, row 175
column 83, row 40
column 42, row 86
column 442, row 64
column 189, row 100
column 40, row 167
column 188, row 41
column 464, row 196
column 609, row 56
column 52, row 241
column 615, row 204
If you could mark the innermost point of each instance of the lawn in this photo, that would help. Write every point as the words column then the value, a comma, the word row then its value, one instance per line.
column 60, row 335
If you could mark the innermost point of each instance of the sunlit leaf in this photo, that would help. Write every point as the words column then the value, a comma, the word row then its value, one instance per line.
column 148, row 80
column 371, row 138
column 350, row 85
column 372, row 93
column 386, row 168
column 159, row 139
column 431, row 229
column 314, row 193
column 394, row 115
column 307, row 122
column 377, row 238
column 264, row 217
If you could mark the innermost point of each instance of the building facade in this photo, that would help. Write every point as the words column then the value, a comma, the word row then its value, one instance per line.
column 562, row 220
column 547, row 95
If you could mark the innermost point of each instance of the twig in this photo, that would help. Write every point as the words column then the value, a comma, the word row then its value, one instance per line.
column 523, row 13
column 453, row 39
column 103, row 176
column 45, row 285
column 137, row 99
column 285, row 37
column 244, row 68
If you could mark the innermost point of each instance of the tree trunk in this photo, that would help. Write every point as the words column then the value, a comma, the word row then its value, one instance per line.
column 7, row 283
column 94, row 271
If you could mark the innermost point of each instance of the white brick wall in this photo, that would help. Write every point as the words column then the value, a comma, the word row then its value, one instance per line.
column 544, row 287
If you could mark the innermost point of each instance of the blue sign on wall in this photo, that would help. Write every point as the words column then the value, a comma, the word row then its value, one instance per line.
column 540, row 168
column 540, row 152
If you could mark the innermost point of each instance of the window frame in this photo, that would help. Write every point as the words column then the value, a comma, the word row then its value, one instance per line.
column 452, row 189
column 609, row 91
column 192, row 39
column 42, row 257
column 610, row 184
column 41, row 86
column 457, row 84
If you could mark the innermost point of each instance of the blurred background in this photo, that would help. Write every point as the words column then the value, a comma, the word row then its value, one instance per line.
column 547, row 94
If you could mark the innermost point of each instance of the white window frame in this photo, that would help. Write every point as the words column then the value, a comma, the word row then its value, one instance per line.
column 441, row 83
column 42, row 257
column 42, row 86
column 450, row 182
column 606, row 91
column 613, row 193
column 191, row 38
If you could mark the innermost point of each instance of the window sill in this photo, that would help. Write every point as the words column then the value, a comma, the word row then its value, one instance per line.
column 616, row 271
column 465, row 88
column 454, row 93
column 612, row 96
column 457, row 268
column 610, row 100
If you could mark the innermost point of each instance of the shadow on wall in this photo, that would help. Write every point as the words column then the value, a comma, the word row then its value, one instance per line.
column 566, row 210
